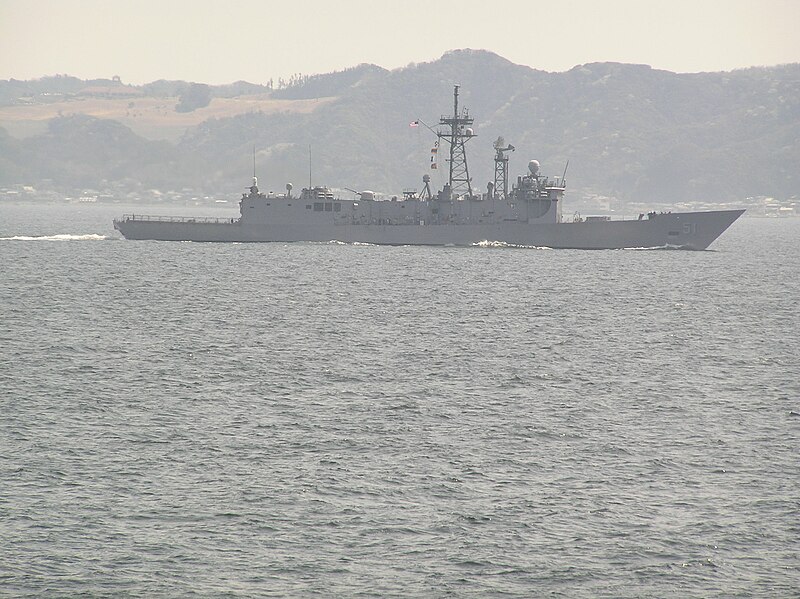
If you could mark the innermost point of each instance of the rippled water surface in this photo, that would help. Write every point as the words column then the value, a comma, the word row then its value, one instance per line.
column 339, row 420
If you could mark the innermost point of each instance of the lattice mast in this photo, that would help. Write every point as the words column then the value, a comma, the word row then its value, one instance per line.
column 501, row 168
column 459, row 134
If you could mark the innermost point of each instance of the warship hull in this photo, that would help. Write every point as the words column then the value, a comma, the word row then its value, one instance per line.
column 686, row 230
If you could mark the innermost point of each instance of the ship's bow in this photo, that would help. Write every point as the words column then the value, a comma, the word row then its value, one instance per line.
column 707, row 226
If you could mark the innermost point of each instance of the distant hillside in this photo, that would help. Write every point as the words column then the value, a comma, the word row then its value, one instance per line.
column 327, row 85
column 628, row 131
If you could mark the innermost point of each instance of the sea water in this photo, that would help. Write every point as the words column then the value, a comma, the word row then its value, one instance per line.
column 353, row 420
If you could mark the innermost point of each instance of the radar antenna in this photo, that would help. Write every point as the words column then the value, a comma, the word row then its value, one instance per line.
column 501, row 167
column 426, row 190
column 457, row 137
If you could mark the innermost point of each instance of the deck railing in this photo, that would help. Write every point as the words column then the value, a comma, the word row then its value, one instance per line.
column 176, row 219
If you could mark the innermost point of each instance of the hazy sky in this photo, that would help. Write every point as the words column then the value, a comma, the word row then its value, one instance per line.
column 220, row 41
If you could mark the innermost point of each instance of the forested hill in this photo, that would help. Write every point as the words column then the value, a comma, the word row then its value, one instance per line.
column 628, row 131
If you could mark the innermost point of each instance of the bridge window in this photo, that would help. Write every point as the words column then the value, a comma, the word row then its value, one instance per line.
column 328, row 206
column 318, row 206
column 308, row 206
column 337, row 207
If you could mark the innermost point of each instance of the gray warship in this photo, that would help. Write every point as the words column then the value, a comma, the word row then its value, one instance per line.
column 528, row 213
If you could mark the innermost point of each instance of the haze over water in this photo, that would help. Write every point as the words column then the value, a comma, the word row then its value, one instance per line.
column 345, row 420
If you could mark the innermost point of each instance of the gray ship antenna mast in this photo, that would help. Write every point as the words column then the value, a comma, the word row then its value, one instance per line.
column 255, row 179
column 254, row 187
column 460, row 133
column 501, row 168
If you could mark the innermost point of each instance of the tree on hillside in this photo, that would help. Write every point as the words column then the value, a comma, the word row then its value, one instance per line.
column 196, row 96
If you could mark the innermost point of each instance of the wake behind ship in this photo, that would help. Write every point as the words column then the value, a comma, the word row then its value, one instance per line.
column 529, row 213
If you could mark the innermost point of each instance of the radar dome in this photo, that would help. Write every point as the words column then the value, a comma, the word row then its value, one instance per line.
column 289, row 187
column 533, row 167
column 469, row 132
column 426, row 178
